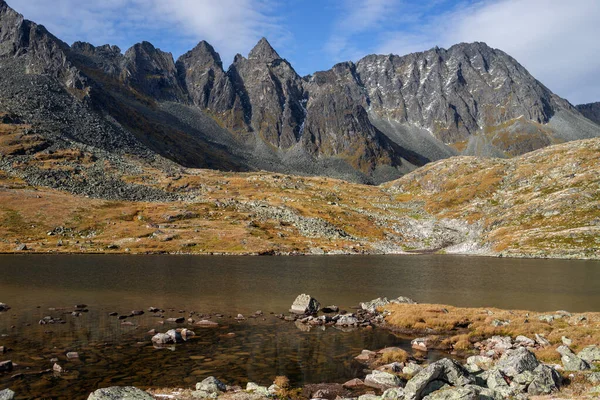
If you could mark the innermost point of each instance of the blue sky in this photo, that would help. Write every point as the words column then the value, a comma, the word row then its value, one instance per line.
column 557, row 40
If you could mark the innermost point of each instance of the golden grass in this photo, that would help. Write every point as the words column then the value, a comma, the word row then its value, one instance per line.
column 459, row 328
column 397, row 355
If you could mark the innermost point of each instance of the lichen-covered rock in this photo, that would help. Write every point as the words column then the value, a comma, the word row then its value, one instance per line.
column 120, row 393
column 545, row 381
column 460, row 393
column 393, row 394
column 445, row 371
column 570, row 361
column 514, row 362
column 590, row 354
column 382, row 380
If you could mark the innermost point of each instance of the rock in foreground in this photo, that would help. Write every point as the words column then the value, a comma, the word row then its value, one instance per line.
column 120, row 393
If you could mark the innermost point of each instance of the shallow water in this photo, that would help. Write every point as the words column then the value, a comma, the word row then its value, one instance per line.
column 116, row 354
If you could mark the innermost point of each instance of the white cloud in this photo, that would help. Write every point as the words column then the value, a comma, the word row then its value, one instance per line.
column 231, row 26
column 356, row 17
column 556, row 40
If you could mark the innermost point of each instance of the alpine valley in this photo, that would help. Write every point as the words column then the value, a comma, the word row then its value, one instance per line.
column 455, row 150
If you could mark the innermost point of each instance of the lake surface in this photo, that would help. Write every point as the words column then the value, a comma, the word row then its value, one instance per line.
column 262, row 348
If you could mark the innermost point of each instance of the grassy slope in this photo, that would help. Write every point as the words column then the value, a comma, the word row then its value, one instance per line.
column 546, row 203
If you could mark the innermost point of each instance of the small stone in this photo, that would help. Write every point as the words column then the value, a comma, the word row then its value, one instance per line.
column 240, row 317
column 206, row 324
column 331, row 309
column 113, row 314
column 566, row 341
column 541, row 340
column 419, row 344
column 57, row 368
column 72, row 355
column 353, row 383
column 525, row 341
column 137, row 312
column 179, row 320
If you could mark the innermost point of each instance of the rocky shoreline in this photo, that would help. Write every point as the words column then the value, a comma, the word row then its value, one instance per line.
column 493, row 366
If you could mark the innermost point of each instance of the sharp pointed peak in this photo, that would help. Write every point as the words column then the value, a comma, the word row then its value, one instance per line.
column 263, row 51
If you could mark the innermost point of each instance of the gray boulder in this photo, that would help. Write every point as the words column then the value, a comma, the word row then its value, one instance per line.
column 570, row 361
column 591, row 354
column 7, row 394
column 514, row 362
column 382, row 380
column 211, row 385
column 305, row 304
column 524, row 341
column 435, row 376
column 545, row 381
column 120, row 393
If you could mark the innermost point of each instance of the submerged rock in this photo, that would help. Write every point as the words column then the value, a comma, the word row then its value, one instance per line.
column 120, row 393
column 4, row 307
column 305, row 304
column 7, row 394
column 162, row 338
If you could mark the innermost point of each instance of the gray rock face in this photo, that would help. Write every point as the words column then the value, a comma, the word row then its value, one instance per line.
column 201, row 72
column 305, row 304
column 6, row 394
column 372, row 121
column 120, row 393
column 570, row 361
column 152, row 72
column 436, row 375
column 591, row 111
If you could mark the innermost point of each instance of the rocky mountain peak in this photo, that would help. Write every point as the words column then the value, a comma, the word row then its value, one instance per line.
column 152, row 72
column 203, row 54
column 263, row 51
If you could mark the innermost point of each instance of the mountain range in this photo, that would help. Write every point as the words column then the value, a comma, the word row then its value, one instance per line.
column 369, row 122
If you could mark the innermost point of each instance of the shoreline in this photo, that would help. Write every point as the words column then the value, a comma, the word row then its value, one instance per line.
column 299, row 254
column 481, row 339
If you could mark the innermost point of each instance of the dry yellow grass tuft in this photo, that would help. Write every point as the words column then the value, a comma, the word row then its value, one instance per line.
column 397, row 355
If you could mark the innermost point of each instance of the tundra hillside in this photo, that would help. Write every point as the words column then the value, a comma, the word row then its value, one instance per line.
column 542, row 204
